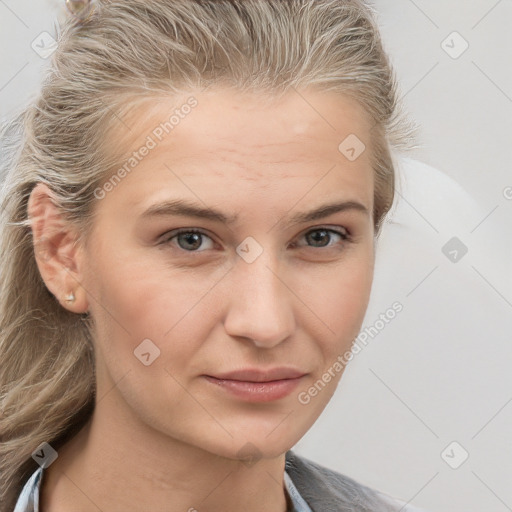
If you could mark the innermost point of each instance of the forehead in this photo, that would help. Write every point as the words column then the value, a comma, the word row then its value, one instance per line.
column 248, row 138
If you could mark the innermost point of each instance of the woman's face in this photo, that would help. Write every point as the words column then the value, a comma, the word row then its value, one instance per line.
column 267, row 290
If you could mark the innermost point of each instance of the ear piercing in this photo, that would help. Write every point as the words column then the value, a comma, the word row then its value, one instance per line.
column 70, row 297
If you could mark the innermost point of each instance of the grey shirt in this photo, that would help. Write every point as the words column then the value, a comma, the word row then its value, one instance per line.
column 311, row 487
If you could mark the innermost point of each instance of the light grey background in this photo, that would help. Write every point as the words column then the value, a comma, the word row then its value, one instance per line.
column 439, row 372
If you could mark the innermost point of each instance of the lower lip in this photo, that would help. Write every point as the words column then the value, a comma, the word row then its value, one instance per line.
column 257, row 391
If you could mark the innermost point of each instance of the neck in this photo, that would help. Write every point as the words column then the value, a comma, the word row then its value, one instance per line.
column 131, row 469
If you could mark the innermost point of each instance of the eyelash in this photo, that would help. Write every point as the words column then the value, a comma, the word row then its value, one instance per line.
column 345, row 236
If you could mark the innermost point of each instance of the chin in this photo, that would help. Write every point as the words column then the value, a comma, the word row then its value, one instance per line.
column 264, row 443
column 251, row 446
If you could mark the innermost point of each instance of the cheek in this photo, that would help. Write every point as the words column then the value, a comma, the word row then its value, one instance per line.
column 140, row 301
column 340, row 302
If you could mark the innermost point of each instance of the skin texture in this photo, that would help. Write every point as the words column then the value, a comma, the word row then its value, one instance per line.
column 162, row 437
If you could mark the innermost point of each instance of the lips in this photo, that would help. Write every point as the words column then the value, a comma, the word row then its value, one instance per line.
column 257, row 375
column 256, row 385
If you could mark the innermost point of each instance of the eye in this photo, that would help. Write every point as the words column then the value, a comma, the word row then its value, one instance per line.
column 188, row 239
column 320, row 237
column 191, row 240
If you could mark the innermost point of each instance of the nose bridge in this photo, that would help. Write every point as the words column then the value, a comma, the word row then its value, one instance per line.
column 260, row 307
column 260, row 277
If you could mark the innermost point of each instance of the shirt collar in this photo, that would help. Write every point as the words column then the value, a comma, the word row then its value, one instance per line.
column 28, row 500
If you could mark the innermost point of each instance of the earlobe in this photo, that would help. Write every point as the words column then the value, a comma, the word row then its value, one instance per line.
column 56, row 249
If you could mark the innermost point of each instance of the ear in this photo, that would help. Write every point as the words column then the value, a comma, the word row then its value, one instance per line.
column 56, row 249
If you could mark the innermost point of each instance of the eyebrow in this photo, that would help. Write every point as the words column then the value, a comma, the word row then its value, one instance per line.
column 184, row 208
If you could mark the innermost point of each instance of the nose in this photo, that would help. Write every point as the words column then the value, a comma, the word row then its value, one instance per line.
column 260, row 305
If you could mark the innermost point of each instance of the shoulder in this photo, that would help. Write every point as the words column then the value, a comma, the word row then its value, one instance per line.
column 326, row 489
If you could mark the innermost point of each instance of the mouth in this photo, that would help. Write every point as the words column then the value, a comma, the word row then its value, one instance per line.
column 254, row 385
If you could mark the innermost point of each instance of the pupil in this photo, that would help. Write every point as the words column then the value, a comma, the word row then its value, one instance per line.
column 318, row 235
column 189, row 236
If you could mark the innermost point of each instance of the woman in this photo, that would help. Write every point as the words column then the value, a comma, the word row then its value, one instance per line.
column 187, row 251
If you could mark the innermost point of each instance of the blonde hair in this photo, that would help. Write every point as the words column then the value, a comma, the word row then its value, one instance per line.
column 125, row 52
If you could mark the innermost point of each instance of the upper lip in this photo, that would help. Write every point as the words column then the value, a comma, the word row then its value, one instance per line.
column 259, row 375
